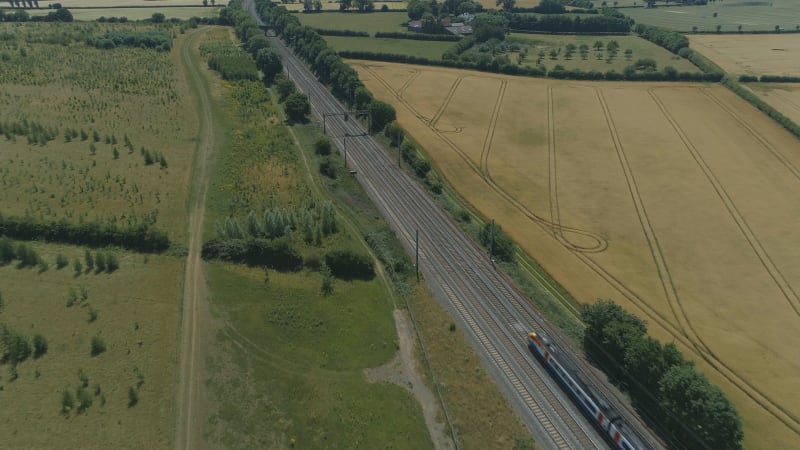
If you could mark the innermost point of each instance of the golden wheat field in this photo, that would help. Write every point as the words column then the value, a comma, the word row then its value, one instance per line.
column 773, row 54
column 785, row 97
column 677, row 200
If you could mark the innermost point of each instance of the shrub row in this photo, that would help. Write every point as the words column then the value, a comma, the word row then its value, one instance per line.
column 779, row 79
column 568, row 24
column 20, row 15
column 234, row 67
column 278, row 254
column 352, row 33
column 418, row 36
column 630, row 74
column 681, row 404
column 142, row 237
column 147, row 39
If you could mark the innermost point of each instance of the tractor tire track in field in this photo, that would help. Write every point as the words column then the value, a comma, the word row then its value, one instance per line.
column 487, row 141
column 547, row 225
column 748, row 388
column 657, row 253
column 188, row 434
column 447, row 99
column 414, row 75
column 746, row 126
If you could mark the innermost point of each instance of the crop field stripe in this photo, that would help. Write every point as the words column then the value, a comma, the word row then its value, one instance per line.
column 653, row 244
column 445, row 103
column 766, row 261
column 487, row 142
column 742, row 123
column 790, row 420
column 408, row 82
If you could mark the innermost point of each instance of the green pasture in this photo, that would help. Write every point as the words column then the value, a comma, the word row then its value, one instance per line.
column 290, row 369
column 595, row 60
column 371, row 23
column 426, row 49
column 137, row 311
column 758, row 15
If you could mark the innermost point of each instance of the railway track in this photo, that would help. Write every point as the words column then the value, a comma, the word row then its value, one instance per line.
column 495, row 316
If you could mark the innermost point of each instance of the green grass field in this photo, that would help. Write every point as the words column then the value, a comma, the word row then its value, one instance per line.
column 138, row 312
column 370, row 23
column 287, row 356
column 750, row 15
column 298, row 359
column 640, row 49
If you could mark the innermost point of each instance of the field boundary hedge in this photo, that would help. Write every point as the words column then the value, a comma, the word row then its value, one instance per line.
column 417, row 36
column 141, row 237
column 349, row 33
column 765, row 107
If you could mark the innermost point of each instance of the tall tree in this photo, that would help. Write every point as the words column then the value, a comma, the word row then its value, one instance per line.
column 268, row 61
column 699, row 415
column 508, row 5
column 297, row 107
column 381, row 114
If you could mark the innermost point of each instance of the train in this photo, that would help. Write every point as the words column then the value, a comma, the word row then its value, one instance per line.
column 608, row 421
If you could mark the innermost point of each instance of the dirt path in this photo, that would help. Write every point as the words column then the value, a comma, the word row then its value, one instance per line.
column 403, row 371
column 196, row 315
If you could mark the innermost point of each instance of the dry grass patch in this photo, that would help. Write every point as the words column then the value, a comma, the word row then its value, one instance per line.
column 137, row 313
column 481, row 416
column 772, row 54
column 678, row 200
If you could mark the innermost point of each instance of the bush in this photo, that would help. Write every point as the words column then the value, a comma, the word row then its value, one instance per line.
column 322, row 146
column 502, row 246
column 98, row 346
column 348, row 265
column 133, row 397
column 67, row 401
column 16, row 346
column 39, row 346
column 327, row 168
column 61, row 261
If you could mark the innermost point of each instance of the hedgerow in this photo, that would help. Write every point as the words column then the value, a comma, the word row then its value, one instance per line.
column 157, row 40
column 142, row 236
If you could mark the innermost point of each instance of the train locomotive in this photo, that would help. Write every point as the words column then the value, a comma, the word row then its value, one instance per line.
column 604, row 418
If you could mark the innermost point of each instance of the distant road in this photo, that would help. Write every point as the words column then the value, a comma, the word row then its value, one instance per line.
column 494, row 314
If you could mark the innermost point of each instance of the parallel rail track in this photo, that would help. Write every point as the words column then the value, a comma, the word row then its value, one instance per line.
column 495, row 315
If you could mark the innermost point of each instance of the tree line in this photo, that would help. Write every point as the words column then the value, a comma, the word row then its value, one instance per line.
column 418, row 36
column 157, row 40
column 20, row 15
column 324, row 62
column 675, row 398
column 142, row 236
column 600, row 23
